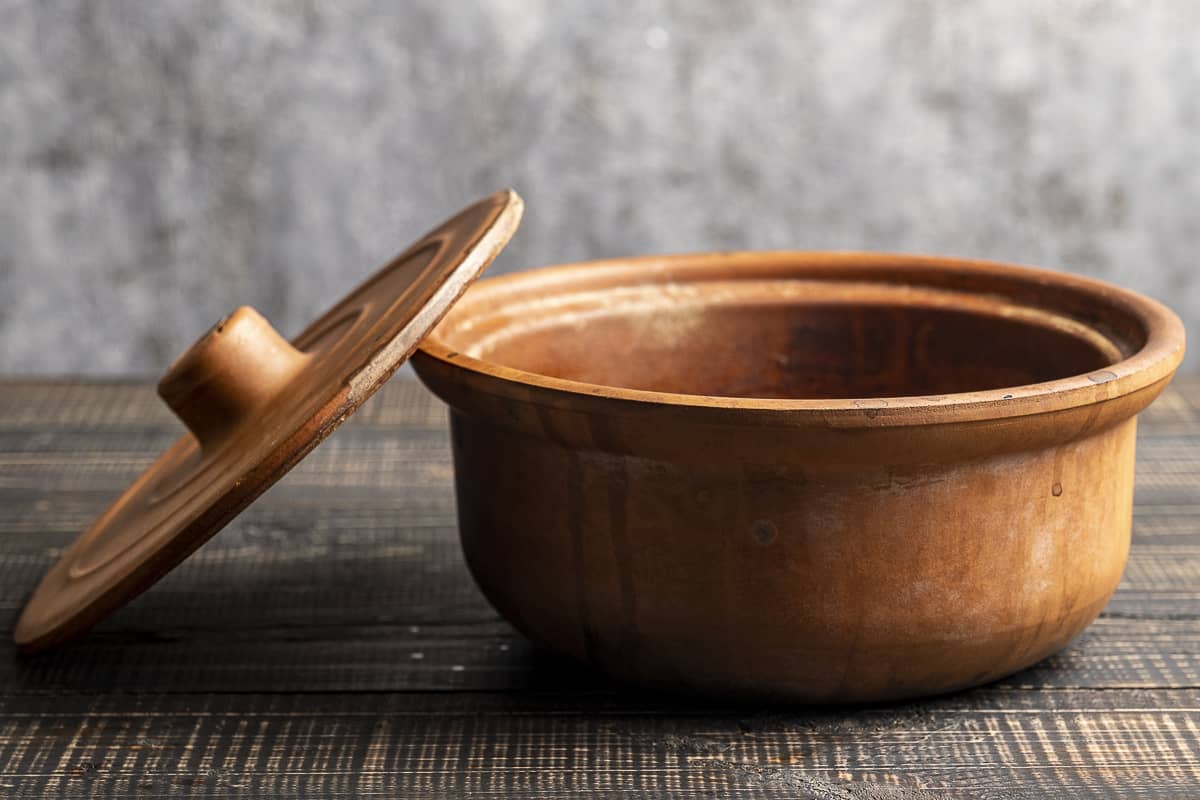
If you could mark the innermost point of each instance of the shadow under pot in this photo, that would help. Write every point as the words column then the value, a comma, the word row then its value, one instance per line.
column 817, row 476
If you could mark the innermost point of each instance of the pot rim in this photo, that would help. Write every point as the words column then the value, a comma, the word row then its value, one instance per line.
column 1152, row 363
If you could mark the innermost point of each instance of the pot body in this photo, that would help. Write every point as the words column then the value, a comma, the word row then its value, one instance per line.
column 795, row 575
column 836, row 557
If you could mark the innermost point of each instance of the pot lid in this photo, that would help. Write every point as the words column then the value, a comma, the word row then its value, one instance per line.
column 255, row 404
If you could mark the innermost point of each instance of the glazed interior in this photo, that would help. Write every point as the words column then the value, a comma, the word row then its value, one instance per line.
column 794, row 337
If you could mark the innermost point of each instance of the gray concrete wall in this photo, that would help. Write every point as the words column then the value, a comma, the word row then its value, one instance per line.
column 162, row 162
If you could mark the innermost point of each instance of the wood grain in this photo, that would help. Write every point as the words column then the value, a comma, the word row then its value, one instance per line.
column 330, row 642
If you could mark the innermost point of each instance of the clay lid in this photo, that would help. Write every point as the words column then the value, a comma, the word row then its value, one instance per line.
column 254, row 405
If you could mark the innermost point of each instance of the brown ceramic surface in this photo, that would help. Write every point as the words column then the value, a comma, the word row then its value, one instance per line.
column 828, row 477
column 254, row 405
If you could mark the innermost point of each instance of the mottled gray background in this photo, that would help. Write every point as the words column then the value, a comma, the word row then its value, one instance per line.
column 162, row 162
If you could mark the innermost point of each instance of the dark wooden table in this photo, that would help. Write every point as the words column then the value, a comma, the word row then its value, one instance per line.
column 331, row 643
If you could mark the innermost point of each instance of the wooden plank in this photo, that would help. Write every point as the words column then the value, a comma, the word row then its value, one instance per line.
column 56, row 405
column 180, row 644
column 979, row 744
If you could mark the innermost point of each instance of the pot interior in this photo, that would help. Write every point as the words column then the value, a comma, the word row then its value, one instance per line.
column 795, row 339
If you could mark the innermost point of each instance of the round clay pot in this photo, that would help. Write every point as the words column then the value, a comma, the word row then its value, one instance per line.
column 827, row 477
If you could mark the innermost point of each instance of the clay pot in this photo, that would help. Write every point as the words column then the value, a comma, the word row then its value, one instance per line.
column 825, row 477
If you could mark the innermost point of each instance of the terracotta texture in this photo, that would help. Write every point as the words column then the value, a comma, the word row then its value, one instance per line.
column 825, row 477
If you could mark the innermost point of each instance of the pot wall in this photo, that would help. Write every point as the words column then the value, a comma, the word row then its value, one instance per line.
column 813, row 577
column 838, row 548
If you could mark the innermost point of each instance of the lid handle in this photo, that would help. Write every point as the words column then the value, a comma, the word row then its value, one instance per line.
column 233, row 369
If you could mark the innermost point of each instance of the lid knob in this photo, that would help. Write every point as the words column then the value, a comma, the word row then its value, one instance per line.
column 234, row 368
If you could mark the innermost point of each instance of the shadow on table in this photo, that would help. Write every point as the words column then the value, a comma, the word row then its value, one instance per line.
column 528, row 678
